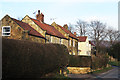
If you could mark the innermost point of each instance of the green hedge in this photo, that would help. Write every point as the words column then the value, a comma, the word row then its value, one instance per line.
column 79, row 61
column 23, row 59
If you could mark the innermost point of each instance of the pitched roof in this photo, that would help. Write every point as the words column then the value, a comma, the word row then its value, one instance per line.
column 49, row 29
column 68, row 32
column 26, row 26
column 91, row 43
column 82, row 38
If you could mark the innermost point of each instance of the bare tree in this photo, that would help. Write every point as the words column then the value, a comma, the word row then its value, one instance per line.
column 81, row 27
column 19, row 18
column 113, row 35
column 97, row 32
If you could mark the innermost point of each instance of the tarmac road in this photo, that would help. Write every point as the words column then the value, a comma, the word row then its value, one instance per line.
column 114, row 73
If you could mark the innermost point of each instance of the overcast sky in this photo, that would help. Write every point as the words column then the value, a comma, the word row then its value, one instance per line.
column 64, row 11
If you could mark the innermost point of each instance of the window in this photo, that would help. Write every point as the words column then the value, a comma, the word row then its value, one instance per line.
column 6, row 31
column 73, row 43
column 70, row 42
column 48, row 39
column 60, row 41
column 73, row 53
column 86, row 44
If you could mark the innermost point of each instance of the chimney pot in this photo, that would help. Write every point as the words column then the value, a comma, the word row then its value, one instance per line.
column 66, row 26
column 38, row 11
column 75, row 33
column 39, row 16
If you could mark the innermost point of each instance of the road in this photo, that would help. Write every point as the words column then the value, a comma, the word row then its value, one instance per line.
column 111, row 74
column 114, row 73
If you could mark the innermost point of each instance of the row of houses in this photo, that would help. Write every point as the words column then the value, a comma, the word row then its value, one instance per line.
column 38, row 31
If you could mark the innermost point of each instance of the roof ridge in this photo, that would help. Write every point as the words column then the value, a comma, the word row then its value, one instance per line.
column 48, row 28
column 28, row 27
column 68, row 31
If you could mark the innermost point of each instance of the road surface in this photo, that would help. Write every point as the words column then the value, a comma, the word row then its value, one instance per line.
column 114, row 73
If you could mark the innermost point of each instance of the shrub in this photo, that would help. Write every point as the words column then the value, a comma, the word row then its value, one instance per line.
column 114, row 50
column 23, row 59
column 79, row 61
column 100, row 61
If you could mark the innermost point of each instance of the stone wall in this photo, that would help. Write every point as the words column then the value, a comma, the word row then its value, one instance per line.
column 79, row 70
column 17, row 32
column 27, row 19
column 36, row 39
column 65, row 42
column 73, row 46
column 60, row 30
column 55, row 40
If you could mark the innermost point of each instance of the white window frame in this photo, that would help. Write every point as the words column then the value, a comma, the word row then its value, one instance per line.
column 6, row 32
column 73, row 43
column 73, row 53
column 70, row 42
column 60, row 40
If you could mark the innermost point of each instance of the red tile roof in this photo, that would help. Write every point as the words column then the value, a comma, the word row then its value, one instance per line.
column 91, row 43
column 26, row 26
column 68, row 32
column 49, row 29
column 82, row 38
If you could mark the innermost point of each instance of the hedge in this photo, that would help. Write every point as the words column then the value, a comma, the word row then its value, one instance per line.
column 24, row 59
column 79, row 61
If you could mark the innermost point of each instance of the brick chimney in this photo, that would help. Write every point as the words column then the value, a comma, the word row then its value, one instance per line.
column 66, row 26
column 39, row 16
column 42, row 17
column 75, row 33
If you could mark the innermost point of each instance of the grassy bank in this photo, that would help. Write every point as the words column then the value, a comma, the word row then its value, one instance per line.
column 115, row 63
column 102, row 70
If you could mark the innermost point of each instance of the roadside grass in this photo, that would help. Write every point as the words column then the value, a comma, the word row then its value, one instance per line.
column 114, row 63
column 56, row 76
column 102, row 70
column 60, row 76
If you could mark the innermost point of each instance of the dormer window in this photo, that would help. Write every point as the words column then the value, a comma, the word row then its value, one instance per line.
column 6, row 30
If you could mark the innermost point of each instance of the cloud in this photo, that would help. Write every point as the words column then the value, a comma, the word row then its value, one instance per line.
column 62, row 1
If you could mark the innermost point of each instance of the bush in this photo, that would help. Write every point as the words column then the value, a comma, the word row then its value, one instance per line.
column 114, row 63
column 100, row 61
column 79, row 61
column 23, row 59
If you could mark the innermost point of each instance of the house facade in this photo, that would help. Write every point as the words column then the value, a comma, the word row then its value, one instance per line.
column 38, row 31
column 20, row 30
column 84, row 48
column 51, row 34
column 72, row 42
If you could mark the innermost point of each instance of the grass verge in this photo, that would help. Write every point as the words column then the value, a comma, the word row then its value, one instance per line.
column 102, row 70
column 115, row 63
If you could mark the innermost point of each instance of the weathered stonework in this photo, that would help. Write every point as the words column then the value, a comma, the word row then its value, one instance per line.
column 73, row 48
column 60, row 30
column 36, row 39
column 17, row 32
column 55, row 40
column 27, row 20
column 65, row 42
column 79, row 70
